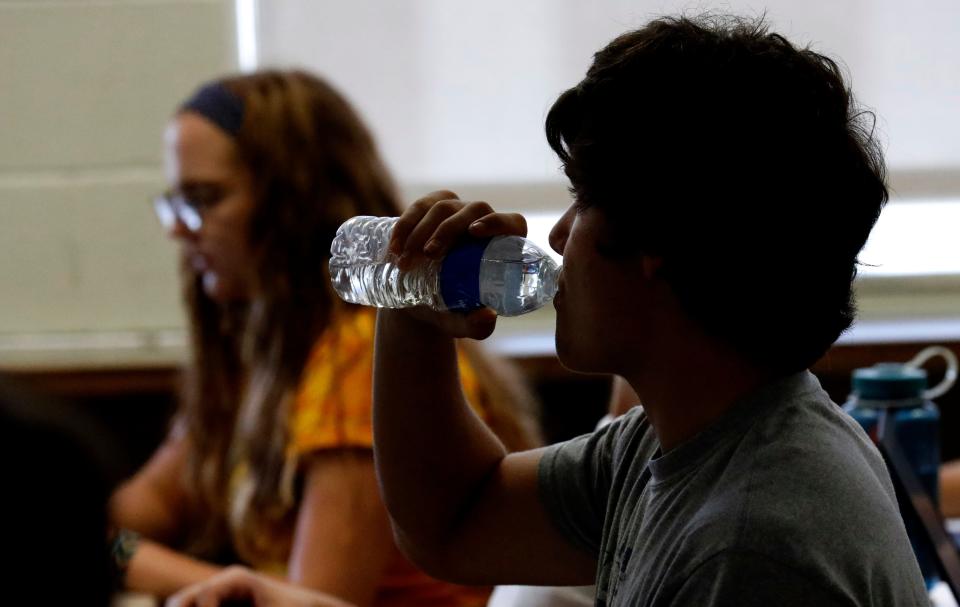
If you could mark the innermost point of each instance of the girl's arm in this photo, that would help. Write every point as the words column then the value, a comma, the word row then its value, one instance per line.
column 154, row 501
column 343, row 539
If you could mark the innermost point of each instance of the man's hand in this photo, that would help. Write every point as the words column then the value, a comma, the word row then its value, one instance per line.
column 462, row 509
column 238, row 585
column 429, row 228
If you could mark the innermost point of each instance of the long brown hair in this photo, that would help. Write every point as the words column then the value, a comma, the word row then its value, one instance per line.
column 313, row 165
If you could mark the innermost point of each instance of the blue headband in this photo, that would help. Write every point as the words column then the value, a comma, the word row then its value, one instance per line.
column 219, row 105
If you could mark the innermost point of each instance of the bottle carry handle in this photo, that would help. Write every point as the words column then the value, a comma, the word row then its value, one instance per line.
column 949, row 378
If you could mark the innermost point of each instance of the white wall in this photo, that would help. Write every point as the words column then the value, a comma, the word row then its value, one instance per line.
column 457, row 90
column 85, row 89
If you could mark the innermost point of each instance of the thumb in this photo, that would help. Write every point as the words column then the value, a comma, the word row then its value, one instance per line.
column 478, row 324
column 481, row 323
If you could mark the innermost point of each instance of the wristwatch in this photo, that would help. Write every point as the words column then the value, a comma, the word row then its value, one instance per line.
column 124, row 545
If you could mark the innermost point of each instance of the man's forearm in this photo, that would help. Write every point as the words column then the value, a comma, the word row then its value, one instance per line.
column 433, row 454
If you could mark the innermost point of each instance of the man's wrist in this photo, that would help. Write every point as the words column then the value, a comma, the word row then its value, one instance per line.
column 422, row 322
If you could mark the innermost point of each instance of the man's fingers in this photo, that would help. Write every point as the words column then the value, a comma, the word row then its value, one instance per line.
column 425, row 232
column 453, row 228
column 434, row 223
column 478, row 324
column 496, row 224
column 481, row 323
column 412, row 216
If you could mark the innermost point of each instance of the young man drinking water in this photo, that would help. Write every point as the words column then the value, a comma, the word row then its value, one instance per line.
column 724, row 184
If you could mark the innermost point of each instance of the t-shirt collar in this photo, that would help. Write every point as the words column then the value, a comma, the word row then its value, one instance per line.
column 734, row 423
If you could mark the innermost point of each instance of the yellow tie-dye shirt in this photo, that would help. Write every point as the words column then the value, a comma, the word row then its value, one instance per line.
column 333, row 409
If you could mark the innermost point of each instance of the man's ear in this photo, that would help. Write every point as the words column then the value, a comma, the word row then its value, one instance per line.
column 651, row 266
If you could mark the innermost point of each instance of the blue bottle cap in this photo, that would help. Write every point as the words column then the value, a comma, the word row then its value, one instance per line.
column 889, row 381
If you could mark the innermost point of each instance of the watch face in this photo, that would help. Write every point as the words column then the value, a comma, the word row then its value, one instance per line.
column 124, row 545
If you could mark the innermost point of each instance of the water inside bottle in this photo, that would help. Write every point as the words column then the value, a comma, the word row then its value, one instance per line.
column 383, row 285
column 516, row 277
column 363, row 271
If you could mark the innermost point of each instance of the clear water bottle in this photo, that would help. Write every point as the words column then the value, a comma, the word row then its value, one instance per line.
column 901, row 389
column 509, row 274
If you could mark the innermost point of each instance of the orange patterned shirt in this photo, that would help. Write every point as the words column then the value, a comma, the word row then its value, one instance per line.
column 333, row 409
column 334, row 405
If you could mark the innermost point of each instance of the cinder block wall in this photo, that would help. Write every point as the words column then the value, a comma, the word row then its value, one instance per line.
column 85, row 90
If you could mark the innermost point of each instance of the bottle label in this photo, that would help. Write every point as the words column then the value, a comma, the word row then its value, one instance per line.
column 460, row 275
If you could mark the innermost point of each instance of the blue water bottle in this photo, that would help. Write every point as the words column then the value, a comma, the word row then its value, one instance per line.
column 901, row 390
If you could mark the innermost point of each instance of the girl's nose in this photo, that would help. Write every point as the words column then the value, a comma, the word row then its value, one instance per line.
column 179, row 230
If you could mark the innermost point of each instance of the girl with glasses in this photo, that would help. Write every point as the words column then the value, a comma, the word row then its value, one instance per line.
column 269, row 460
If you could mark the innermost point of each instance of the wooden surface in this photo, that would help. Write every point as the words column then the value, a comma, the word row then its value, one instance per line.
column 135, row 402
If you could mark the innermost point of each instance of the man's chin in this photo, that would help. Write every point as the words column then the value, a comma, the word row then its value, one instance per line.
column 567, row 355
column 578, row 360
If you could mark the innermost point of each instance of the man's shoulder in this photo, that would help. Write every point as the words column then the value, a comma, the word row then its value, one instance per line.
column 809, row 489
column 809, row 460
column 812, row 450
column 617, row 449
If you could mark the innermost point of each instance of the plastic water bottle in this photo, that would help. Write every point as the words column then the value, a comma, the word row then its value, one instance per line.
column 901, row 389
column 509, row 274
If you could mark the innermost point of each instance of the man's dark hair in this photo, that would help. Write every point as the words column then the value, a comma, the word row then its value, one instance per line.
column 740, row 160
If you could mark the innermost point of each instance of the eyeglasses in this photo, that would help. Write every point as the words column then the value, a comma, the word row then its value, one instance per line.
column 188, row 209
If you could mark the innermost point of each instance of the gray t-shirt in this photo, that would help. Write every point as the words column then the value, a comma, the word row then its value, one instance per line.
column 783, row 501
